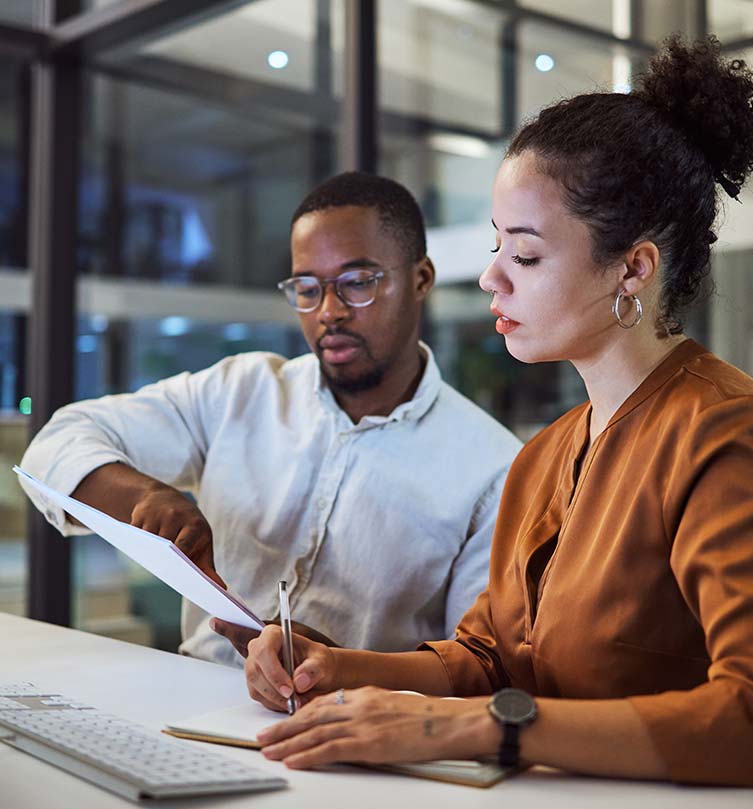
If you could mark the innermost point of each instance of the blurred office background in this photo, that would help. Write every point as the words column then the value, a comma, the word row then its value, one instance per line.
column 182, row 135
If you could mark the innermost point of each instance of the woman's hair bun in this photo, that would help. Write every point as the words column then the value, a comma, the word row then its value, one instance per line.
column 708, row 97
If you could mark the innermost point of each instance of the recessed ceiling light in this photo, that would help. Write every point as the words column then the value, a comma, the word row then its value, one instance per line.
column 544, row 62
column 278, row 60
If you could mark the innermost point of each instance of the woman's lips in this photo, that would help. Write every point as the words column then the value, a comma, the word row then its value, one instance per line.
column 504, row 324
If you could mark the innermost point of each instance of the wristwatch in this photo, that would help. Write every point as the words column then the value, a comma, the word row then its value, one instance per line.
column 512, row 709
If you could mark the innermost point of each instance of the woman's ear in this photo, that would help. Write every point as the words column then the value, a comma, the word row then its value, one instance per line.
column 641, row 267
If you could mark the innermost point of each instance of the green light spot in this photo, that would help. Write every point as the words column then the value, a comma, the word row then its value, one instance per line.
column 25, row 405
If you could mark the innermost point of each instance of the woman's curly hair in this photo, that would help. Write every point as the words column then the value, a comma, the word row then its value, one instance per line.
column 645, row 165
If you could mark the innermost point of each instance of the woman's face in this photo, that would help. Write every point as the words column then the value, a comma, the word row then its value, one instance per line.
column 551, row 300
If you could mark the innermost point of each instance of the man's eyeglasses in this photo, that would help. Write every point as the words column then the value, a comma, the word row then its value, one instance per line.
column 357, row 288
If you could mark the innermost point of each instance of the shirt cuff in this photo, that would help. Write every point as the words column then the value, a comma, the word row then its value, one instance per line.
column 466, row 674
column 64, row 478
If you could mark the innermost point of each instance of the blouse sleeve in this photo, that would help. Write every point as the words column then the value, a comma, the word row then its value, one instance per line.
column 705, row 734
column 471, row 660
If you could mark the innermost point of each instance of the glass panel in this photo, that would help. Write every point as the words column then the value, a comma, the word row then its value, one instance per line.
column 731, row 19
column 280, row 42
column 14, row 407
column 556, row 64
column 442, row 62
column 195, row 154
column 194, row 167
column 592, row 13
column 14, row 417
column 17, row 11
column 13, row 89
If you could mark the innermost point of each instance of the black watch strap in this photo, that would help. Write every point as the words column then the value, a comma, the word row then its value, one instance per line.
column 509, row 748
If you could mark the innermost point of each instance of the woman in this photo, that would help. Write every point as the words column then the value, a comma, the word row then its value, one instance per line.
column 621, row 580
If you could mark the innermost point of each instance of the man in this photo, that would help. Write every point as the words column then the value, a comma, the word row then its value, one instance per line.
column 353, row 472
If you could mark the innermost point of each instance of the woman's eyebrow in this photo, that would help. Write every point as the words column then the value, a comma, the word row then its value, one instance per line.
column 521, row 229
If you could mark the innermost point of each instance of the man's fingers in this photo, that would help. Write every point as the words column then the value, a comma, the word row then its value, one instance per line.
column 195, row 541
column 239, row 636
column 192, row 538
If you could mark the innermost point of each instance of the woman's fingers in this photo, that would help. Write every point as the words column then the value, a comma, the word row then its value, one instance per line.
column 264, row 652
column 308, row 674
column 314, row 743
column 331, row 752
column 261, row 690
column 270, row 701
column 264, row 657
column 318, row 712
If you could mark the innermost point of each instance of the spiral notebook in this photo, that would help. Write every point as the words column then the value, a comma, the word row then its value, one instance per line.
column 237, row 726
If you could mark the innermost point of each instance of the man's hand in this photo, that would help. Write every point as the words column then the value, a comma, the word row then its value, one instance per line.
column 269, row 683
column 240, row 636
column 135, row 498
column 164, row 511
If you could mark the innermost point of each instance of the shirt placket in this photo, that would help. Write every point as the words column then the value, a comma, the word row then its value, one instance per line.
column 324, row 495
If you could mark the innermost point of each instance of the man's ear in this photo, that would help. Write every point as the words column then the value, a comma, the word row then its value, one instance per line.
column 641, row 267
column 424, row 274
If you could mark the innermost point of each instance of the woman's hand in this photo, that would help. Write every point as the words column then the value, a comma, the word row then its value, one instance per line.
column 372, row 725
column 269, row 683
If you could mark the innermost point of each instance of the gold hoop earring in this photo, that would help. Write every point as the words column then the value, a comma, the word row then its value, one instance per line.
column 616, row 309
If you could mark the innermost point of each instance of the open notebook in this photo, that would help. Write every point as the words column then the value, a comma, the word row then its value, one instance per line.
column 239, row 725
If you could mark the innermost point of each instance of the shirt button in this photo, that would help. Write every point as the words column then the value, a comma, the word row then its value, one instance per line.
column 321, row 503
column 342, row 438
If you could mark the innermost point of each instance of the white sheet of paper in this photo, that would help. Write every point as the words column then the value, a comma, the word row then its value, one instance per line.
column 240, row 722
column 157, row 555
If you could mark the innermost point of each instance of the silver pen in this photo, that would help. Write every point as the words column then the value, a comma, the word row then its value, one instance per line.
column 287, row 638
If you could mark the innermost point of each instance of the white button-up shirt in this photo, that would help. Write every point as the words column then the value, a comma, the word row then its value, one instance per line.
column 381, row 528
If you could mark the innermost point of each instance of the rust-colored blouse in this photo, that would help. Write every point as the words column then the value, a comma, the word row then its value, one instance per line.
column 633, row 579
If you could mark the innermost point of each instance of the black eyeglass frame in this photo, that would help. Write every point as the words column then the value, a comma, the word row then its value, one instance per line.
column 375, row 276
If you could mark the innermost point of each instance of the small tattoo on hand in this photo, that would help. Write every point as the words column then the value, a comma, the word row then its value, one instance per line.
column 428, row 727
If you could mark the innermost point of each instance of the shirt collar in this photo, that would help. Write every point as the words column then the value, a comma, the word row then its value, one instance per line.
column 681, row 355
column 412, row 410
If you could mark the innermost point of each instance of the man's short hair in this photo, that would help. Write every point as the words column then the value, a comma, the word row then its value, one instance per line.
column 396, row 207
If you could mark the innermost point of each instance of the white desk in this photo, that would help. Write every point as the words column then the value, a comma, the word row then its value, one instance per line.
column 153, row 687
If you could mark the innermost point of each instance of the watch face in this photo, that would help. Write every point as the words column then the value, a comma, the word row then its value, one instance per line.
column 513, row 705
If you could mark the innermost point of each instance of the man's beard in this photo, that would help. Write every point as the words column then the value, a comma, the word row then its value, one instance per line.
column 367, row 380
column 341, row 382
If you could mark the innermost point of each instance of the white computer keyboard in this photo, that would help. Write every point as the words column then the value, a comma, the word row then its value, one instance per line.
column 116, row 754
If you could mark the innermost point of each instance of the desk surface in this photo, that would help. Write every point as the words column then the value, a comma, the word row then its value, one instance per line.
column 153, row 687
